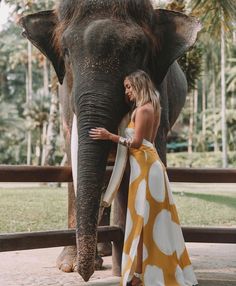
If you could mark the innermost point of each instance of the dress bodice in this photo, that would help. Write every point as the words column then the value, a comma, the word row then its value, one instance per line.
column 129, row 130
column 129, row 133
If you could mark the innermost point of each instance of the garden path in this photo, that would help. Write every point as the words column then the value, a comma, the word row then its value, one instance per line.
column 214, row 264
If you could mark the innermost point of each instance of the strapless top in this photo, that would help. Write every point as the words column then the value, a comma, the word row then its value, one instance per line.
column 129, row 133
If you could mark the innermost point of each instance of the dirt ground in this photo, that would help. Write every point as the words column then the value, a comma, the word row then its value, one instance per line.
column 214, row 264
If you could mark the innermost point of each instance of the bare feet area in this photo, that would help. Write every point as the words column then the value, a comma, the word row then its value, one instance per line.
column 214, row 264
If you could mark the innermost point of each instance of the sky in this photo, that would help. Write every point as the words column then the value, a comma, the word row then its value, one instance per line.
column 4, row 10
column 4, row 13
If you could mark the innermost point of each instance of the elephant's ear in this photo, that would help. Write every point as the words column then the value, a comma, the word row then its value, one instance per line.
column 39, row 30
column 174, row 34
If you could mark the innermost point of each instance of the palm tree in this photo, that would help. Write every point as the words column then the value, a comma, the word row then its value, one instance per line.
column 223, row 94
column 217, row 17
column 29, row 98
column 231, row 80
column 52, row 129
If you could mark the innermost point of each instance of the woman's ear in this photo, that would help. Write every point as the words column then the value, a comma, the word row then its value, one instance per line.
column 174, row 33
column 39, row 30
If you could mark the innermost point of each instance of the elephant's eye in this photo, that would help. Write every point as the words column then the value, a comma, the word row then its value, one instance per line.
column 66, row 52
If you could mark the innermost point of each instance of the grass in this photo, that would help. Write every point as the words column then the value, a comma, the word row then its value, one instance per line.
column 45, row 208
column 200, row 159
column 33, row 209
column 203, row 205
column 209, row 210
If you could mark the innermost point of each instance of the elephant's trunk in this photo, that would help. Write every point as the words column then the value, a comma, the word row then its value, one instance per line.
column 93, row 110
column 92, row 157
column 92, row 162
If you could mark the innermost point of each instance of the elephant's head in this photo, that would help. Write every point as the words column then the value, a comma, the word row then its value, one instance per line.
column 93, row 45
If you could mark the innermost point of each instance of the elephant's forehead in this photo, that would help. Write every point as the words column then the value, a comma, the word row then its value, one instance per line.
column 110, row 30
column 80, row 8
column 98, row 26
column 120, row 9
column 83, row 5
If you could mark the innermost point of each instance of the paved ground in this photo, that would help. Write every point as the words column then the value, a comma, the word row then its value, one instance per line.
column 214, row 264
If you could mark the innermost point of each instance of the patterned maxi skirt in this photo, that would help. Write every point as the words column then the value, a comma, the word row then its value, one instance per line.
column 151, row 208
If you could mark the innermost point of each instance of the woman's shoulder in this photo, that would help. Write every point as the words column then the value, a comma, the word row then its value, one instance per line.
column 146, row 108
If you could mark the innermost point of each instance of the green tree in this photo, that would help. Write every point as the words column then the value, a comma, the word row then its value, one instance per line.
column 12, row 133
column 217, row 17
column 14, row 79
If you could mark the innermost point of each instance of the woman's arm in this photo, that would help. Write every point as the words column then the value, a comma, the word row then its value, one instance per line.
column 100, row 133
column 141, row 117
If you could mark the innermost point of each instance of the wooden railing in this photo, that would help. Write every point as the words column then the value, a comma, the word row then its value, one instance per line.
column 20, row 241
column 9, row 173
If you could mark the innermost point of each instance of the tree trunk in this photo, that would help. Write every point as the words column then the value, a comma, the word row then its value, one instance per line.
column 191, row 123
column 204, row 105
column 45, row 78
column 195, row 105
column 52, row 133
column 44, row 142
column 223, row 98
column 45, row 95
column 29, row 100
column 216, row 148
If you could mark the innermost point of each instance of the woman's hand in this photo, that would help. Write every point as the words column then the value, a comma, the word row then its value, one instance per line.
column 100, row 133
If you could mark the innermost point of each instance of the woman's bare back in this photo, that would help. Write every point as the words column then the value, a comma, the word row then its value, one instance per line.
column 152, row 121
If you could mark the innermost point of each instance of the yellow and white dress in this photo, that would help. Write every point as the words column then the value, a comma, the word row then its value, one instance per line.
column 151, row 208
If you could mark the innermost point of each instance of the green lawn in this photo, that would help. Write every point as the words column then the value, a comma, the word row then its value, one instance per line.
column 45, row 208
column 206, row 204
column 33, row 209
column 204, row 209
column 200, row 159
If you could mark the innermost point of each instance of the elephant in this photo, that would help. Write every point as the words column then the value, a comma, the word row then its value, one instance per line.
column 93, row 45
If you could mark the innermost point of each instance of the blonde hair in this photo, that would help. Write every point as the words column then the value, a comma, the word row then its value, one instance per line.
column 145, row 90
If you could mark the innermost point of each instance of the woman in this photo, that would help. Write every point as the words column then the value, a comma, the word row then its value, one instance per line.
column 154, row 250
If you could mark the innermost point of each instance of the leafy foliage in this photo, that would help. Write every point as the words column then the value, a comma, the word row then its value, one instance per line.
column 191, row 64
column 213, row 12
column 231, row 72
column 21, row 117
column 12, row 134
column 206, row 112
column 30, row 6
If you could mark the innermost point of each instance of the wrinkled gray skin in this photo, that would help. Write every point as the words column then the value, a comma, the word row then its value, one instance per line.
column 103, row 42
